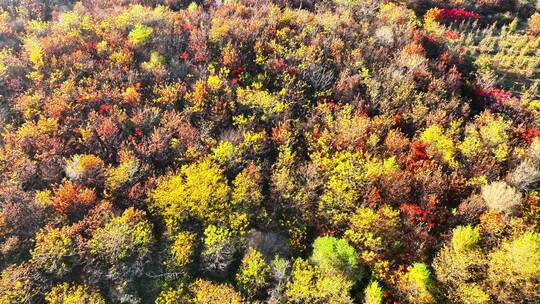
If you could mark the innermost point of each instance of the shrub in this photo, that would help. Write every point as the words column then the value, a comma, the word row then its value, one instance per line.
column 449, row 14
column 374, row 232
column 252, row 277
column 440, row 144
column 36, row 54
column 140, row 34
column 121, row 249
column 54, row 251
column 131, row 95
column 17, row 284
column 73, row 294
column 488, row 135
column 182, row 249
column 220, row 245
column 309, row 284
column 456, row 14
column 197, row 96
column 171, row 296
column 282, row 181
column 501, row 197
column 87, row 169
column 280, row 274
column 260, row 101
column 341, row 190
column 123, row 174
column 72, row 199
column 169, row 94
column 460, row 264
column 127, row 238
column 417, row 285
column 199, row 190
column 471, row 293
column 525, row 174
column 472, row 208
column 226, row 154
column 373, row 294
column 155, row 64
column 465, row 238
column 534, row 24
column 336, row 255
column 493, row 96
column 246, row 194
column 514, row 269
column 214, row 82
column 206, row 292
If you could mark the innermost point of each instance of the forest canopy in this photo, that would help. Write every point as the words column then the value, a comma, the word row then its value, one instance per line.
column 269, row 151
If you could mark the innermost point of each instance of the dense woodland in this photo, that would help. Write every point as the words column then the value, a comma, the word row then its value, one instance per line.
column 258, row 151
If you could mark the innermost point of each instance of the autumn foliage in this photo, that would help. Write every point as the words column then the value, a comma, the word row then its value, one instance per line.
column 169, row 151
